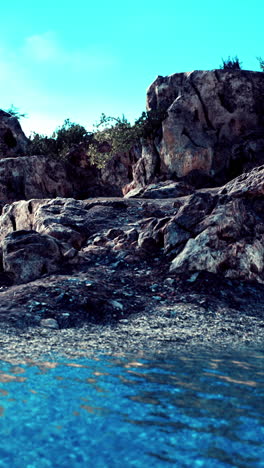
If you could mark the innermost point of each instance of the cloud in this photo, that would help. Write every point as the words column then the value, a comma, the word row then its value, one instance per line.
column 46, row 48
column 44, row 79
column 42, row 47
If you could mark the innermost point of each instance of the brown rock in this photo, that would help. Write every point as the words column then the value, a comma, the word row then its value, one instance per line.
column 213, row 129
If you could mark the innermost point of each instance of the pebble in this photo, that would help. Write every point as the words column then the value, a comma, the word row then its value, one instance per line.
column 49, row 323
column 117, row 305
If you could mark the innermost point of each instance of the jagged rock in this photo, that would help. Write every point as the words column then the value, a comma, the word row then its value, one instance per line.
column 250, row 184
column 64, row 219
column 32, row 177
column 151, row 236
column 213, row 129
column 167, row 189
column 28, row 255
column 13, row 141
column 69, row 221
column 228, row 238
column 118, row 171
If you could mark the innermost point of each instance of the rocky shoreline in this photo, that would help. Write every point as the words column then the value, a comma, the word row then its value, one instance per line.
column 134, row 306
column 177, row 262
column 118, row 292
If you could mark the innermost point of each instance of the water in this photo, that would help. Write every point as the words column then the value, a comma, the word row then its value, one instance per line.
column 185, row 410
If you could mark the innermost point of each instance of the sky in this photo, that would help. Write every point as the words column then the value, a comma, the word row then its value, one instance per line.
column 79, row 59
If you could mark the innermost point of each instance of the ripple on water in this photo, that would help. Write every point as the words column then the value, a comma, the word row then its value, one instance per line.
column 198, row 410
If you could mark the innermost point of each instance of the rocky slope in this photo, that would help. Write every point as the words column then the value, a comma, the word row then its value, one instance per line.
column 187, row 258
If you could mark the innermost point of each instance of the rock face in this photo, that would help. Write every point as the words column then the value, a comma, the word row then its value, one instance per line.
column 213, row 130
column 13, row 141
column 30, row 177
column 118, row 172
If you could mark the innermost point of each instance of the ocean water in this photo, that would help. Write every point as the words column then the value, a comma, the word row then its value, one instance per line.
column 196, row 409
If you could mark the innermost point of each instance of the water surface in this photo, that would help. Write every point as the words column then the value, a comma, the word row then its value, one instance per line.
column 199, row 409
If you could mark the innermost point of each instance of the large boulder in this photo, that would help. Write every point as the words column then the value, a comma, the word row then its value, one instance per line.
column 28, row 255
column 213, row 129
column 227, row 236
column 13, row 141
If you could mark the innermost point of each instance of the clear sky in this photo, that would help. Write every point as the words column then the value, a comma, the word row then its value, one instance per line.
column 77, row 59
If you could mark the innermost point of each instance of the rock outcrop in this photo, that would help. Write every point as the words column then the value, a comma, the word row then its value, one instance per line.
column 217, row 230
column 13, row 141
column 28, row 255
column 213, row 130
column 30, row 177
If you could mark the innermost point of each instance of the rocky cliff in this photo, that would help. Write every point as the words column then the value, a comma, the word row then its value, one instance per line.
column 213, row 131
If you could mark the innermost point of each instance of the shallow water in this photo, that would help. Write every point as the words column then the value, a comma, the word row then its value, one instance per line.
column 184, row 410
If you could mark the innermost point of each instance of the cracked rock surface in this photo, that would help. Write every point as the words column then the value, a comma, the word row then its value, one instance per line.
column 212, row 131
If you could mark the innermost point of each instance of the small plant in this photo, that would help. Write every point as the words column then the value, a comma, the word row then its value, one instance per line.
column 42, row 145
column 69, row 135
column 261, row 63
column 115, row 135
column 61, row 141
column 231, row 64
column 15, row 112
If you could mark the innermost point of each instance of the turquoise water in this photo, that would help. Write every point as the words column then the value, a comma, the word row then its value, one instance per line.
column 184, row 410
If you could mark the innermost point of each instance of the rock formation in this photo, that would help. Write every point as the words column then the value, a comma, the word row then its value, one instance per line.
column 216, row 230
column 194, row 206
column 213, row 130
column 13, row 141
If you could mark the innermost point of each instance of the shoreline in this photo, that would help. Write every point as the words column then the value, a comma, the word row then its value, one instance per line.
column 182, row 327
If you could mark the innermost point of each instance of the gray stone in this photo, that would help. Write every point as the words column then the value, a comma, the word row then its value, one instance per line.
column 27, row 255
column 49, row 323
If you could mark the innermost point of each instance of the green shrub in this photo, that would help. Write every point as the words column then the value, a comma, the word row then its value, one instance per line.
column 42, row 145
column 61, row 141
column 69, row 135
column 231, row 64
column 112, row 135
column 261, row 63
column 115, row 135
column 15, row 112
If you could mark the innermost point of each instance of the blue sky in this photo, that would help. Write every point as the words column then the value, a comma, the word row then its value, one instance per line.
column 61, row 59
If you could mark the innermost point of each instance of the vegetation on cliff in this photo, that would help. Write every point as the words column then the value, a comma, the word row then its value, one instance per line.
column 231, row 64
column 261, row 63
column 112, row 135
